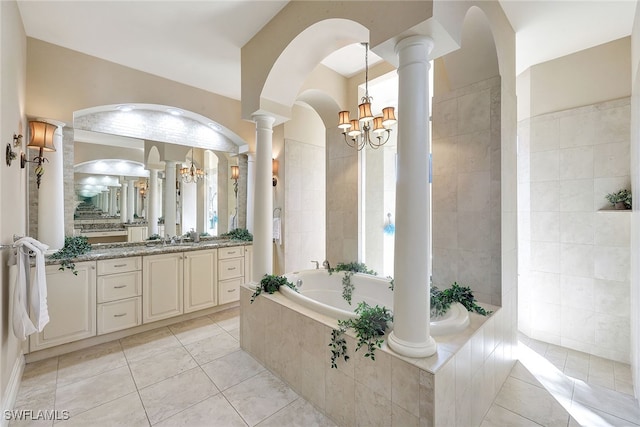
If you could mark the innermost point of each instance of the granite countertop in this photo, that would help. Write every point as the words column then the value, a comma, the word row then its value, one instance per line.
column 119, row 250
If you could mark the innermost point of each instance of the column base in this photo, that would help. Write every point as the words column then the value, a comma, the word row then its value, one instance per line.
column 411, row 349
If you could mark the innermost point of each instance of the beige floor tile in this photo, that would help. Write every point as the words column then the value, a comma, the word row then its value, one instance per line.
column 95, row 391
column 166, row 398
column 229, row 324
column 232, row 369
column 36, row 397
column 622, row 372
column 259, row 397
column 126, row 411
column 212, row 348
column 148, row 343
column 298, row 413
column 214, row 411
column 531, row 402
column 609, row 401
column 235, row 333
column 585, row 416
column 194, row 330
column 90, row 362
column 225, row 315
column 161, row 366
column 521, row 373
column 40, row 374
column 501, row 417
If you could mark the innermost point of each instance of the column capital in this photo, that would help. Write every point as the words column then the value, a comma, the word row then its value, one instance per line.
column 423, row 41
column 264, row 121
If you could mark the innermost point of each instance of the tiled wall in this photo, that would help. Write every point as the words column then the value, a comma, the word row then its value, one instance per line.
column 342, row 199
column 574, row 263
column 304, row 204
column 467, row 189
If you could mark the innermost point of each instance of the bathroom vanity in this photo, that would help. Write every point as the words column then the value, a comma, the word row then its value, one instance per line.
column 121, row 287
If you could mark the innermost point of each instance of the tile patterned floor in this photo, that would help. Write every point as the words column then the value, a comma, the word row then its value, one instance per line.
column 194, row 374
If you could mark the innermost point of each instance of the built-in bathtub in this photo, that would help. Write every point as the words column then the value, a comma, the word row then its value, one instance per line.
column 322, row 292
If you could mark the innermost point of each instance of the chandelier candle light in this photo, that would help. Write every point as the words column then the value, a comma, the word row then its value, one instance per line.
column 191, row 174
column 379, row 125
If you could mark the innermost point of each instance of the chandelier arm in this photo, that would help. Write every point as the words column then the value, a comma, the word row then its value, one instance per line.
column 379, row 138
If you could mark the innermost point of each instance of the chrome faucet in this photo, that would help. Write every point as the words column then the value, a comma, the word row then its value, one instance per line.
column 325, row 264
column 317, row 264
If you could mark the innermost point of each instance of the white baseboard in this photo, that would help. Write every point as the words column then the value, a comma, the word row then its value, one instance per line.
column 10, row 394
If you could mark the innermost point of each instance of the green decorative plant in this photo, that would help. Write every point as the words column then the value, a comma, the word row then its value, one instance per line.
column 370, row 326
column 349, row 269
column 622, row 196
column 271, row 283
column 239, row 234
column 73, row 247
column 154, row 237
column 442, row 300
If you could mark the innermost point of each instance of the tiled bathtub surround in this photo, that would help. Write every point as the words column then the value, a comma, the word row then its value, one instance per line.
column 454, row 387
column 574, row 263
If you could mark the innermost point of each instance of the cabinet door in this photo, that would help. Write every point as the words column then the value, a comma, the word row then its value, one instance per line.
column 161, row 286
column 229, row 290
column 248, row 263
column 72, row 306
column 200, row 280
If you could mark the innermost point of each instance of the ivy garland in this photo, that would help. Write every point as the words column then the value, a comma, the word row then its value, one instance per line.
column 349, row 269
column 73, row 247
column 370, row 326
column 442, row 300
column 271, row 283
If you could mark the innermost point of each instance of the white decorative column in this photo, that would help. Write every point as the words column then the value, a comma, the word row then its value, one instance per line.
column 160, row 199
column 113, row 208
column 152, row 214
column 410, row 336
column 201, row 206
column 170, row 198
column 51, row 195
column 131, row 200
column 251, row 182
column 263, row 203
column 124, row 190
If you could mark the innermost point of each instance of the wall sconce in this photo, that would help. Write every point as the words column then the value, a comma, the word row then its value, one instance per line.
column 41, row 139
column 274, row 166
column 11, row 155
column 235, row 174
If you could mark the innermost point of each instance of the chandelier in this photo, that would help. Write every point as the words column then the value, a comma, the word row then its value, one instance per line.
column 375, row 131
column 191, row 174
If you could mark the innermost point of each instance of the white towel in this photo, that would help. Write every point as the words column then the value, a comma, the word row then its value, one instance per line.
column 233, row 222
column 277, row 231
column 22, row 325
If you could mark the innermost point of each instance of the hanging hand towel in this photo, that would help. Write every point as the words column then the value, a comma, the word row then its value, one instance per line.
column 277, row 231
column 38, row 286
column 21, row 323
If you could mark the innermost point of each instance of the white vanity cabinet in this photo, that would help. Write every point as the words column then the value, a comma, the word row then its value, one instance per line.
column 72, row 306
column 200, row 280
column 137, row 234
column 119, row 294
column 230, row 273
column 162, row 286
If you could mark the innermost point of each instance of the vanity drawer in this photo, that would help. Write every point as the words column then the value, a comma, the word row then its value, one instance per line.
column 117, row 315
column 119, row 265
column 231, row 252
column 230, row 268
column 229, row 290
column 119, row 286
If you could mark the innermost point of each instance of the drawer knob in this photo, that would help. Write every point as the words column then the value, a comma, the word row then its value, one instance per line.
column 231, row 268
column 120, row 315
column 119, row 286
column 230, row 290
column 119, row 265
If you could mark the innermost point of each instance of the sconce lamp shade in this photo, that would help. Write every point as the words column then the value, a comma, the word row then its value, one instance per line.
column 41, row 136
column 343, row 120
column 235, row 172
column 274, row 166
column 388, row 116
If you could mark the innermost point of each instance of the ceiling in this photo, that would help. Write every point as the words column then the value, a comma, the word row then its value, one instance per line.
column 198, row 42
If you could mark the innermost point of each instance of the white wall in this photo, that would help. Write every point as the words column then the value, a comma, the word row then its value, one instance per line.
column 13, row 187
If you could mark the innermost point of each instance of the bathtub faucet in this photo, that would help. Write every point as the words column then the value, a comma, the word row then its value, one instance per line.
column 325, row 264
column 317, row 264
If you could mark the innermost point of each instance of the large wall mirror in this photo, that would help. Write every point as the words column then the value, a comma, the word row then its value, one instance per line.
column 117, row 148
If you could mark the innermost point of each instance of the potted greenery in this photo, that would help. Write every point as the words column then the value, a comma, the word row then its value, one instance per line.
column 73, row 248
column 620, row 199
